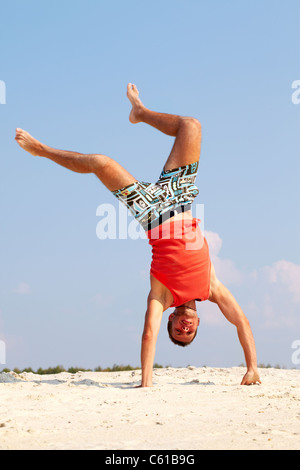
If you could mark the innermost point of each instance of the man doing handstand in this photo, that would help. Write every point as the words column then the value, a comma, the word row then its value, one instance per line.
column 181, row 270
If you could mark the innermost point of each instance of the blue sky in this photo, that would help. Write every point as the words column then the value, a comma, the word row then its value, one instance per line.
column 67, row 297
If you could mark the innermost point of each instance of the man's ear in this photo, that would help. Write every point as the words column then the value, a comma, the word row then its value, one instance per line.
column 171, row 316
column 198, row 321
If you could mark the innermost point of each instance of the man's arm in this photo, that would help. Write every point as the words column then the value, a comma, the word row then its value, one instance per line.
column 153, row 319
column 234, row 314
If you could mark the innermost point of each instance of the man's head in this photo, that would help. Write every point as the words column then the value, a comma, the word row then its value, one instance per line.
column 182, row 325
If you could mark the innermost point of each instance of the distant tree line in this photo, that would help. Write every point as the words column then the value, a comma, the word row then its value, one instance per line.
column 73, row 370
column 114, row 368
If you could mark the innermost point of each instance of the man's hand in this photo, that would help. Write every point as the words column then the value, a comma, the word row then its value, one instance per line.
column 251, row 378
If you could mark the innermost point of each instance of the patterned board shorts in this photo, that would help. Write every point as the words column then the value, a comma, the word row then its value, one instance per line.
column 153, row 203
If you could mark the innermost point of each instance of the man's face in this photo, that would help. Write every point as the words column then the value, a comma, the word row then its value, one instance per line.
column 184, row 324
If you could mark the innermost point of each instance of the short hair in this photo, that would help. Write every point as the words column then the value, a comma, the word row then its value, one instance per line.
column 175, row 341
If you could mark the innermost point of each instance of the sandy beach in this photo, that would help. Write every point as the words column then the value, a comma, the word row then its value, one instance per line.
column 187, row 409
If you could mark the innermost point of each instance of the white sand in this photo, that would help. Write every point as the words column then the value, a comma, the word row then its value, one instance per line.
column 187, row 409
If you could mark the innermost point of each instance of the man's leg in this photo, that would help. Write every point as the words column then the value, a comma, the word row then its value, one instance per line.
column 187, row 130
column 111, row 173
column 186, row 148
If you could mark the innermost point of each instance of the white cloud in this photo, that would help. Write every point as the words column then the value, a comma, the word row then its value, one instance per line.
column 214, row 242
column 276, row 298
column 287, row 274
column 226, row 269
column 22, row 288
column 270, row 295
column 211, row 315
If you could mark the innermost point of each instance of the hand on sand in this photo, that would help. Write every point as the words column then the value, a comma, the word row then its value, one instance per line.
column 251, row 378
column 28, row 143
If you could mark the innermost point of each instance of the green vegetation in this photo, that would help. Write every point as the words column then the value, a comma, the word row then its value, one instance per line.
column 73, row 370
column 114, row 368
column 268, row 366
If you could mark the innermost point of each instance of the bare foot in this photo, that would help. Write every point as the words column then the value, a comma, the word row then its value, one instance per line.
column 137, row 105
column 28, row 143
